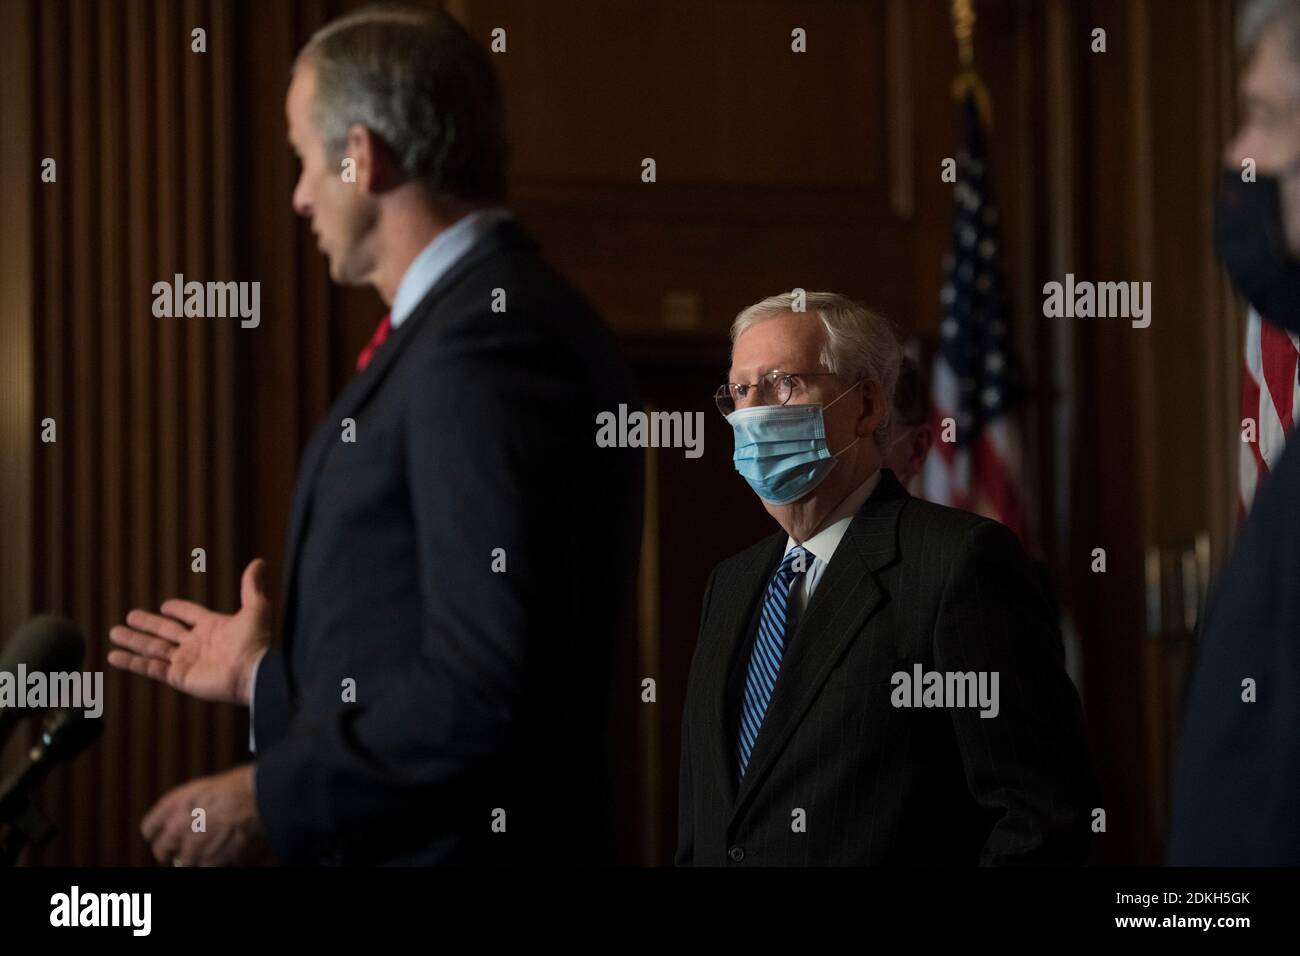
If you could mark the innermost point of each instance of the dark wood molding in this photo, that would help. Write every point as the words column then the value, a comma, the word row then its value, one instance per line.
column 900, row 107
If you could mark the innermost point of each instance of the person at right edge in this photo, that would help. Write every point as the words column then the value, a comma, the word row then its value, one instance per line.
column 1237, row 777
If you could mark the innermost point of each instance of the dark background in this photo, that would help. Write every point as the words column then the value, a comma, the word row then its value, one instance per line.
column 775, row 170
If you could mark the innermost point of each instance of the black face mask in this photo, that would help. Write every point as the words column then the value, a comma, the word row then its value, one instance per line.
column 1251, row 242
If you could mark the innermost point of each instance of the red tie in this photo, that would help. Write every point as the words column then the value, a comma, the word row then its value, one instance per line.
column 376, row 340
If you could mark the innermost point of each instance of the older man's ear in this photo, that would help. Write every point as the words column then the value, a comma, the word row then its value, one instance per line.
column 873, row 408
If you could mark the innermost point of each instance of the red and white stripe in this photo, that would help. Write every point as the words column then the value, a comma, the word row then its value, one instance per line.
column 1270, row 394
column 987, row 478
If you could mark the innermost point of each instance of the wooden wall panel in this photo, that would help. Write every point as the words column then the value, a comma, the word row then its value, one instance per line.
column 142, row 250
column 144, row 467
column 712, row 91
column 105, row 92
column 18, row 408
column 755, row 145
column 1156, row 444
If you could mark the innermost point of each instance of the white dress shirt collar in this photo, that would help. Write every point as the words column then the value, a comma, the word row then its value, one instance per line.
column 440, row 255
column 822, row 545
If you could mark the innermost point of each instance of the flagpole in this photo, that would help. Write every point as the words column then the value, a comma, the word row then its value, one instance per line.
column 963, row 31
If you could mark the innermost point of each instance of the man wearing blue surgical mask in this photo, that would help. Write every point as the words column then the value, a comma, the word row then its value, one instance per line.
column 879, row 681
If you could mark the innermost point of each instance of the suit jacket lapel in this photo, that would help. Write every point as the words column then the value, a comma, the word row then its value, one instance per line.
column 736, row 608
column 362, row 385
column 847, row 595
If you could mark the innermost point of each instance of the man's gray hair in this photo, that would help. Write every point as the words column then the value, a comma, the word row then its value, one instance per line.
column 1261, row 17
column 422, row 84
column 859, row 343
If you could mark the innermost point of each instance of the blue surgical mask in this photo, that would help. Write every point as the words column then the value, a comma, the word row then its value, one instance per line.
column 781, row 449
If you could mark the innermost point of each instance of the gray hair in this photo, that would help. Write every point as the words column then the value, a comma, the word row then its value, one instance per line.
column 423, row 85
column 859, row 343
column 1261, row 17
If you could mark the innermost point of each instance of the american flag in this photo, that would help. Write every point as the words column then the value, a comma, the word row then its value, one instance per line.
column 976, row 380
column 1270, row 396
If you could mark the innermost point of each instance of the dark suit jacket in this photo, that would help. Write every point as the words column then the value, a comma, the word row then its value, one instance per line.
column 911, row 582
column 477, row 690
column 1237, row 779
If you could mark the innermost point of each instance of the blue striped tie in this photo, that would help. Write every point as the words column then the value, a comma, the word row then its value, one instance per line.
column 765, row 658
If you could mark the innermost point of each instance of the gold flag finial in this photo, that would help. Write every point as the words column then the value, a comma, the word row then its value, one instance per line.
column 963, row 28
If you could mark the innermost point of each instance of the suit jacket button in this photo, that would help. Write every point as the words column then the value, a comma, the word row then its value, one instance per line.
column 736, row 854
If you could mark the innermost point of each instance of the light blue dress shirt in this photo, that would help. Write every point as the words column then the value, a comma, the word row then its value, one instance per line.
column 440, row 255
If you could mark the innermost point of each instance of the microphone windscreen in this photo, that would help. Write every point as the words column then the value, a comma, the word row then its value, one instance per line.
column 47, row 643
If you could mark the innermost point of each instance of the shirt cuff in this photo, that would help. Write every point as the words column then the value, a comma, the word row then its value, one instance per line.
column 252, row 692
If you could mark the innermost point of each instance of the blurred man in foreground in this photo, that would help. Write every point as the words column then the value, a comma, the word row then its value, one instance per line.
column 459, row 555
column 1237, row 782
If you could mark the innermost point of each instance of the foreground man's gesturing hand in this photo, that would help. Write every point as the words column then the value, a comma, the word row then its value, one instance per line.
column 199, row 652
column 210, row 656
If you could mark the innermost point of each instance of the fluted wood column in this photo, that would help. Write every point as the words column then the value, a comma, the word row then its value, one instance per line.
column 144, row 467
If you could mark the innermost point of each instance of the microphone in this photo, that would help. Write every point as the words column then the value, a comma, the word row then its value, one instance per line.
column 47, row 643
column 64, row 734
